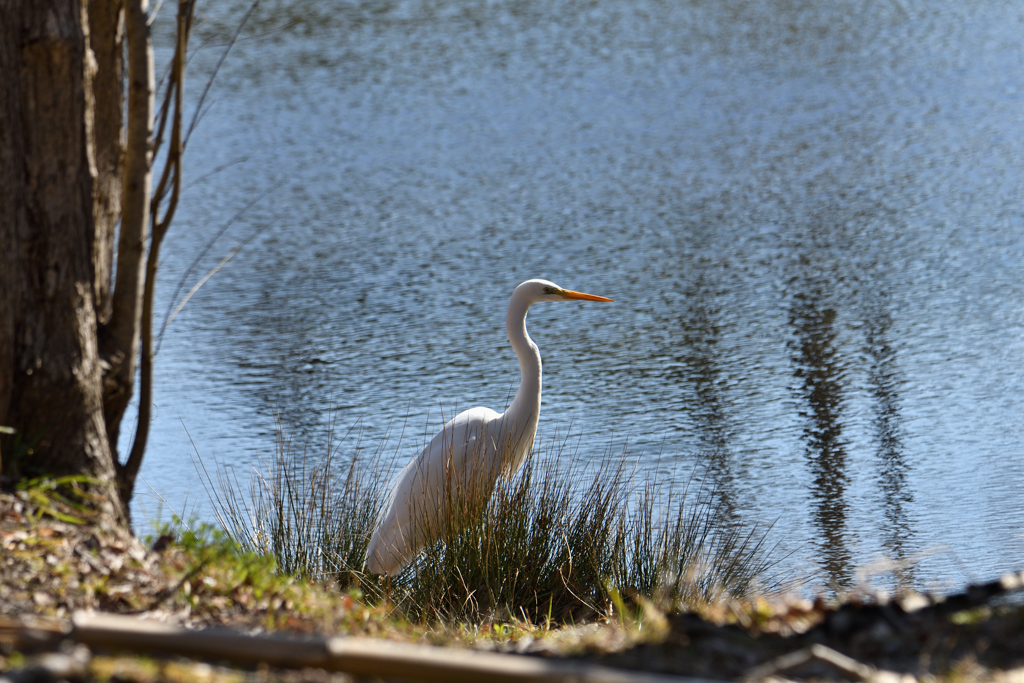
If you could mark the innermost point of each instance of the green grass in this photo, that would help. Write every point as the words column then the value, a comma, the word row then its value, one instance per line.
column 66, row 498
column 549, row 547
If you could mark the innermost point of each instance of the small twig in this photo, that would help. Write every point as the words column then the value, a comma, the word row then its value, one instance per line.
column 817, row 652
column 200, row 114
column 216, row 69
column 202, row 281
column 214, row 172
column 169, row 315
column 155, row 11
column 272, row 31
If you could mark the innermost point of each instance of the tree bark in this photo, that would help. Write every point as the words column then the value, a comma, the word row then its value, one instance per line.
column 106, row 36
column 50, row 369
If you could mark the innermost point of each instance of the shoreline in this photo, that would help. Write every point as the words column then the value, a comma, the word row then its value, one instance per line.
column 53, row 570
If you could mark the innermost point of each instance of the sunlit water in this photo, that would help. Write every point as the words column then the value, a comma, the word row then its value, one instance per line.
column 809, row 216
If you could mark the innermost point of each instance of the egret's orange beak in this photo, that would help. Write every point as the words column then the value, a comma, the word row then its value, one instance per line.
column 569, row 294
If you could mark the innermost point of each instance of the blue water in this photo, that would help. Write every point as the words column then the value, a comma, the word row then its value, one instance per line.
column 809, row 216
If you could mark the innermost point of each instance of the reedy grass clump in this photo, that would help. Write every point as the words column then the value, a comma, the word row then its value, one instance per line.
column 313, row 516
column 548, row 547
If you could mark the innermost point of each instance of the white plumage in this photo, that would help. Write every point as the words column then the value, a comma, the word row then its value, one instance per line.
column 462, row 462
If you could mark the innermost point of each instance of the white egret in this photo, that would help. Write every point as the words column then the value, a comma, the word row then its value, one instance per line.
column 462, row 462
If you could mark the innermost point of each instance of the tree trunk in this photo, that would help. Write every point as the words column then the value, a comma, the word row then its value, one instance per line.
column 50, row 368
column 68, row 177
column 106, row 36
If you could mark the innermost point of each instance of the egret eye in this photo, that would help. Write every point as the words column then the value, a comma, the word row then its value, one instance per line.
column 551, row 290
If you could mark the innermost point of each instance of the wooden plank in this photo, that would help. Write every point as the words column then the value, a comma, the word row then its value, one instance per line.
column 358, row 656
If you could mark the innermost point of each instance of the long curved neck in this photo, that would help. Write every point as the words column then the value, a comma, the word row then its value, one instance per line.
column 524, row 412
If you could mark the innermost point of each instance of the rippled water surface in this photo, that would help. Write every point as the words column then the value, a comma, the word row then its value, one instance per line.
column 809, row 215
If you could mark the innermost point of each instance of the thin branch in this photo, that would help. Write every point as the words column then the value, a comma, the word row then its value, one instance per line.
column 158, row 138
column 130, row 470
column 223, row 56
column 202, row 281
column 200, row 115
column 175, row 88
column 155, row 11
column 848, row 666
column 121, row 337
column 170, row 182
column 202, row 254
column 191, row 55
column 214, row 172
column 272, row 31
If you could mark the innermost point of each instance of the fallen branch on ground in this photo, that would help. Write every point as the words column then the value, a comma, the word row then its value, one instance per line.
column 364, row 657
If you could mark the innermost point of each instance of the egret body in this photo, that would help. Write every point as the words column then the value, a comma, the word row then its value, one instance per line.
column 463, row 461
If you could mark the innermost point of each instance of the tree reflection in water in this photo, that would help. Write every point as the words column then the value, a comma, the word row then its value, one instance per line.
column 820, row 372
column 883, row 379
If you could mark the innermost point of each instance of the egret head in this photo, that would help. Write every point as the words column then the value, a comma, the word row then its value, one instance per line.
column 543, row 290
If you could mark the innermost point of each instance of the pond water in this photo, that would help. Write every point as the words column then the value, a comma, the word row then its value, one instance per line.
column 809, row 215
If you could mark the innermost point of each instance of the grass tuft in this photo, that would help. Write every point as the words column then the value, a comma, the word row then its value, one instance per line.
column 549, row 547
